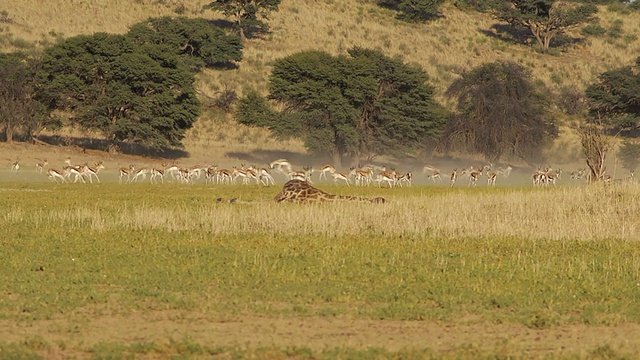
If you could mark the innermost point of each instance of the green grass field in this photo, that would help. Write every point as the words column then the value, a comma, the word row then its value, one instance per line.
column 550, row 272
column 533, row 257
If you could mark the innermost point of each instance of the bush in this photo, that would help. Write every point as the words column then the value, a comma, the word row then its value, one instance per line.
column 571, row 101
column 629, row 155
column 477, row 5
column 225, row 100
column 616, row 31
column 593, row 30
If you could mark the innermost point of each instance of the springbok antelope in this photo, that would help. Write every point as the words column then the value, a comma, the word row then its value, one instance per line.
column 172, row 170
column 453, row 178
column 41, row 164
column 185, row 176
column 327, row 169
column 491, row 178
column 15, row 166
column 538, row 178
column 245, row 174
column 54, row 175
column 550, row 177
column 67, row 162
column 304, row 175
column 156, row 173
column 69, row 166
column 90, row 172
column 363, row 176
column 261, row 175
column 282, row 165
column 72, row 170
column 474, row 175
column 126, row 172
column 340, row 177
column 210, row 174
column 386, row 177
column 196, row 171
column 435, row 175
column 265, row 177
column 405, row 179
column 223, row 176
column 140, row 173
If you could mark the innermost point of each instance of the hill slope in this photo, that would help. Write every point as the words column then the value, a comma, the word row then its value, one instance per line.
column 445, row 47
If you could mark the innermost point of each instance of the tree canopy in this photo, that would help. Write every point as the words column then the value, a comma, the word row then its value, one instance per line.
column 247, row 15
column 544, row 18
column 360, row 105
column 127, row 92
column 414, row 10
column 19, row 111
column 614, row 99
column 500, row 113
column 199, row 43
column 629, row 155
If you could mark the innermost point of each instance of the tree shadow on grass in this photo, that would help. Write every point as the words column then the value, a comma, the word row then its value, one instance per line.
column 259, row 31
column 509, row 34
column 512, row 35
column 87, row 143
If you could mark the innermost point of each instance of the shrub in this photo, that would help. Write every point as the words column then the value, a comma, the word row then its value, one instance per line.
column 593, row 30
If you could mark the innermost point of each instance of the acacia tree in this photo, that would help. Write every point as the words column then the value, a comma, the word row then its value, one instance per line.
column 614, row 99
column 246, row 14
column 544, row 18
column 127, row 92
column 359, row 105
column 596, row 146
column 15, row 94
column 629, row 155
column 414, row 10
column 500, row 112
column 614, row 107
column 19, row 110
column 199, row 43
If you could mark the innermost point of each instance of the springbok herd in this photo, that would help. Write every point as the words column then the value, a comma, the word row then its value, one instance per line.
column 365, row 175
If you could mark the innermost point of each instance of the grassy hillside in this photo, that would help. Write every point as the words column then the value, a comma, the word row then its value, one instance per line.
column 444, row 48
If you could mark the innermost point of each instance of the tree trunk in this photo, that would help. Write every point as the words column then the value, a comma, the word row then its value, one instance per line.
column 9, row 133
column 547, row 42
column 240, row 28
column 536, row 33
column 337, row 159
column 114, row 148
column 595, row 146
column 545, row 45
column 243, row 38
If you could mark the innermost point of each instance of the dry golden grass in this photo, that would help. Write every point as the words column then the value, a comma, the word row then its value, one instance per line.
column 444, row 48
column 568, row 213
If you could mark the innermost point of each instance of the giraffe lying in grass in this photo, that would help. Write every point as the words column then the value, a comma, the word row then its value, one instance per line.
column 299, row 191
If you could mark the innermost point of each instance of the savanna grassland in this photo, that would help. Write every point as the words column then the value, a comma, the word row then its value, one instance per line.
column 445, row 48
column 110, row 270
column 154, row 271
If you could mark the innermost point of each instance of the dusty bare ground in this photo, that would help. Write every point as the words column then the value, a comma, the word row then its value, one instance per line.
column 28, row 155
column 318, row 333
